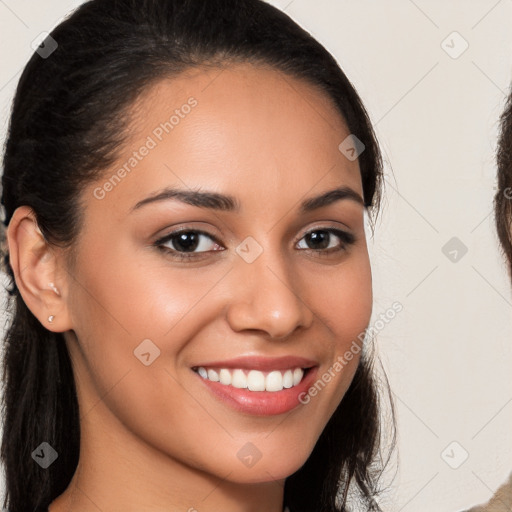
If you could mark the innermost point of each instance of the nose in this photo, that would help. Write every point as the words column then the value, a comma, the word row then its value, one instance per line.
column 266, row 298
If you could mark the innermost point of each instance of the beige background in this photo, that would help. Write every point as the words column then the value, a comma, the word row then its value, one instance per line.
column 448, row 354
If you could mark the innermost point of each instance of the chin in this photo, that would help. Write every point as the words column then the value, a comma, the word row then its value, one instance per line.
column 276, row 468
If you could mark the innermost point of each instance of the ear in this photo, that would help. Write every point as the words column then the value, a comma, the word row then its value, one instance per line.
column 39, row 271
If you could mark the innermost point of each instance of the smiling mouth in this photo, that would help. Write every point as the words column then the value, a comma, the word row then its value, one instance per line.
column 254, row 380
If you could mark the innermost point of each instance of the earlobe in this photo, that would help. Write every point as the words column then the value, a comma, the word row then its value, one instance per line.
column 35, row 265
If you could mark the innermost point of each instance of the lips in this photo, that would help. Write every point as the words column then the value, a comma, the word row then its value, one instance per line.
column 258, row 385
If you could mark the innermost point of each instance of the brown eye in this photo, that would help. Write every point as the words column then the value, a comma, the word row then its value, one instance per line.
column 324, row 240
column 188, row 243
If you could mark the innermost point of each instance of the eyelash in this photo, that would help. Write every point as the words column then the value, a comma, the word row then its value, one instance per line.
column 346, row 239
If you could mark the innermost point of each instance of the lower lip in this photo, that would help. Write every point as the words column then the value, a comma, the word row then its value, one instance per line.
column 262, row 403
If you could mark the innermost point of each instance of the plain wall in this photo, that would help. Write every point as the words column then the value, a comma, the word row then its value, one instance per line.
column 435, row 108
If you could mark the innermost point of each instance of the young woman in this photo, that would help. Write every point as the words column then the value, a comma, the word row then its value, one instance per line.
column 185, row 187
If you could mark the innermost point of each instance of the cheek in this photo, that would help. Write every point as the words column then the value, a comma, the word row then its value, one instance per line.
column 343, row 304
column 134, row 296
column 342, row 299
column 351, row 321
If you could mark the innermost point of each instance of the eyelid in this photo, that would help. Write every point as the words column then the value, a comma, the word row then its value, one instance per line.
column 185, row 227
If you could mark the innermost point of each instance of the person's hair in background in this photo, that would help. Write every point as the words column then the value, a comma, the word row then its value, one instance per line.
column 502, row 499
column 503, row 195
column 65, row 129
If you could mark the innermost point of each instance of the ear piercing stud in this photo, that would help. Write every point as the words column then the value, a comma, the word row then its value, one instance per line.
column 50, row 318
column 53, row 287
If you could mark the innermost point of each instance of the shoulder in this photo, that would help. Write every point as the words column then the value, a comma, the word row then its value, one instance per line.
column 500, row 502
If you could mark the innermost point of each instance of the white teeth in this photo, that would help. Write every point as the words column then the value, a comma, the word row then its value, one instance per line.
column 225, row 376
column 212, row 375
column 288, row 379
column 239, row 379
column 298, row 373
column 274, row 381
column 254, row 380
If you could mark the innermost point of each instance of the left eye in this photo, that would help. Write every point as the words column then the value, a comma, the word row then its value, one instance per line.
column 322, row 237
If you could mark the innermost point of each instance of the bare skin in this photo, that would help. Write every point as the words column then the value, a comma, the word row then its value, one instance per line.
column 154, row 437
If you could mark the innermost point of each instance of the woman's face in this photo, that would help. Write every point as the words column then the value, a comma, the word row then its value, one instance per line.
column 258, row 289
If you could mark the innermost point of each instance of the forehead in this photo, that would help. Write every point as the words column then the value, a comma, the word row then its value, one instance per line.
column 242, row 129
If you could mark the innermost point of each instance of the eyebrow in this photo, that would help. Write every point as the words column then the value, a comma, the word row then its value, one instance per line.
column 227, row 203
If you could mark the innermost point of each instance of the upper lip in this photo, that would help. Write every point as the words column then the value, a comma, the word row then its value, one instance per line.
column 261, row 363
